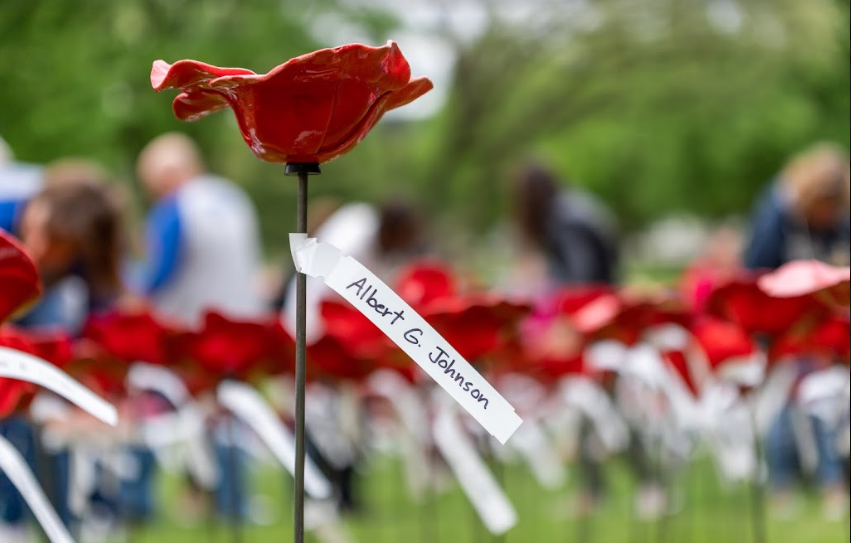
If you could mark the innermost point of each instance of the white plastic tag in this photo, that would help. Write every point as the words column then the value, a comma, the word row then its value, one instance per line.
column 19, row 473
column 17, row 365
column 488, row 499
column 408, row 330
column 249, row 406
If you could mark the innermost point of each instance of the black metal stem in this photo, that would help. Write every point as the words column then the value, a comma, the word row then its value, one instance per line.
column 233, row 469
column 300, row 364
column 757, row 495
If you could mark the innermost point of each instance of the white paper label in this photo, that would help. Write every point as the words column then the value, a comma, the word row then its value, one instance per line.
column 408, row 330
column 488, row 499
column 19, row 473
column 17, row 365
column 249, row 406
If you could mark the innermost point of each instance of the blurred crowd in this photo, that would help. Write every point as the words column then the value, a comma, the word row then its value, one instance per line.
column 199, row 254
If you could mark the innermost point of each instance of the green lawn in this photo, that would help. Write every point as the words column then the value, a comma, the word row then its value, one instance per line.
column 708, row 514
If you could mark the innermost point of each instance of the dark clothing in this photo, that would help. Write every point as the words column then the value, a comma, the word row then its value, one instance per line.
column 778, row 237
column 581, row 245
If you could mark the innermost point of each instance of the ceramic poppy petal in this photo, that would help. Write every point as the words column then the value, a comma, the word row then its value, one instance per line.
column 806, row 277
column 188, row 73
column 19, row 282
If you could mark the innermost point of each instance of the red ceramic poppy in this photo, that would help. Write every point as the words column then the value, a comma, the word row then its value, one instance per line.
column 624, row 317
column 722, row 341
column 741, row 301
column 225, row 348
column 313, row 108
column 329, row 359
column 129, row 337
column 828, row 340
column 353, row 330
column 52, row 346
column 806, row 277
column 425, row 283
column 14, row 394
column 19, row 282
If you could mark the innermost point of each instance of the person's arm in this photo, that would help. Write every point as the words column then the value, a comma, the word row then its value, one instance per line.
column 765, row 246
column 9, row 214
column 163, row 240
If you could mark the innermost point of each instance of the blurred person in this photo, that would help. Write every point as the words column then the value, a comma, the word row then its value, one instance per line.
column 202, row 246
column 574, row 232
column 72, row 230
column 202, row 238
column 804, row 215
column 571, row 239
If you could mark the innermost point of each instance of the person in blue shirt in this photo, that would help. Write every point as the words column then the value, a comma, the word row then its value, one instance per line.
column 202, row 253
column 202, row 238
column 804, row 215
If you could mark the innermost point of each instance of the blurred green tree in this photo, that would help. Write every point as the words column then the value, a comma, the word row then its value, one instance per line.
column 660, row 106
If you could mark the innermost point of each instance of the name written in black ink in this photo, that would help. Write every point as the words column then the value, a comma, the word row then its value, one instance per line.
column 441, row 358
column 367, row 293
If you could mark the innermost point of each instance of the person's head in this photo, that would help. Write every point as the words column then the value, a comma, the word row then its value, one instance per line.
column 75, row 227
column 168, row 162
column 401, row 227
column 817, row 182
column 534, row 191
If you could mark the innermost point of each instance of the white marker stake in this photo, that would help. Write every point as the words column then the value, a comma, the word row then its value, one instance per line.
column 488, row 499
column 25, row 367
column 19, row 473
column 408, row 330
column 249, row 406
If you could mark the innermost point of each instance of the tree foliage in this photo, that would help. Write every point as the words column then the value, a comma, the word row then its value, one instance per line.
column 660, row 106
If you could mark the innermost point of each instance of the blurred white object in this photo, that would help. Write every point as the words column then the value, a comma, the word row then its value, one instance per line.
column 16, row 469
column 248, row 405
column 488, row 499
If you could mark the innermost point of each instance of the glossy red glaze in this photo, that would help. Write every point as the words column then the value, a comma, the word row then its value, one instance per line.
column 804, row 277
column 129, row 337
column 742, row 301
column 14, row 394
column 313, row 108
column 19, row 282
column 722, row 341
column 226, row 348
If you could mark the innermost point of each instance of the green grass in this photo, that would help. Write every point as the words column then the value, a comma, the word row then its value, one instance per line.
column 708, row 514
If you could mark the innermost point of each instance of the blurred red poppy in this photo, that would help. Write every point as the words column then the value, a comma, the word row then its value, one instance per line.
column 329, row 359
column 828, row 340
column 52, row 346
column 804, row 277
column 722, row 341
column 225, row 348
column 625, row 317
column 313, row 108
column 14, row 394
column 19, row 282
column 741, row 301
column 353, row 330
column 129, row 337
column 475, row 324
